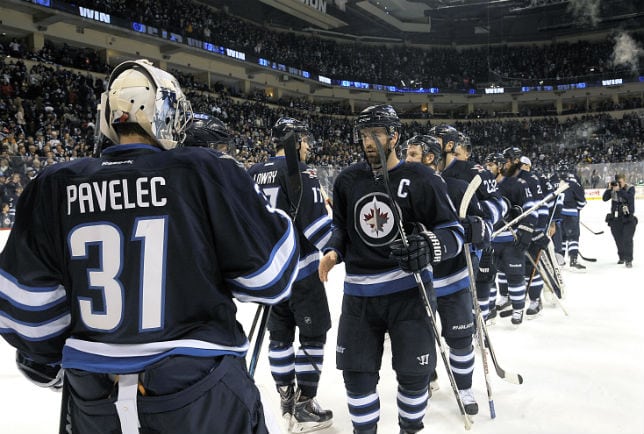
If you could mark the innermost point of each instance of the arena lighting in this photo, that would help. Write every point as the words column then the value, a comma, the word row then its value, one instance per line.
column 241, row 56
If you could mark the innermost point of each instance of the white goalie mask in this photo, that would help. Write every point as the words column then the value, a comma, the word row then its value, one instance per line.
column 139, row 93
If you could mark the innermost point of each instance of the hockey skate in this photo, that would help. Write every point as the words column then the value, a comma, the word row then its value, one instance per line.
column 491, row 317
column 629, row 264
column 502, row 303
column 574, row 265
column 471, row 407
column 534, row 308
column 287, row 403
column 309, row 416
column 517, row 316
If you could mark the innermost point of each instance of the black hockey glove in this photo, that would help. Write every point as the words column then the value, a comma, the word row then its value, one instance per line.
column 486, row 266
column 40, row 374
column 523, row 238
column 511, row 211
column 422, row 248
column 540, row 240
column 477, row 232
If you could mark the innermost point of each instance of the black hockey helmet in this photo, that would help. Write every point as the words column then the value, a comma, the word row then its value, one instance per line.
column 563, row 168
column 496, row 158
column 207, row 131
column 285, row 125
column 427, row 143
column 464, row 141
column 382, row 115
column 446, row 133
column 512, row 153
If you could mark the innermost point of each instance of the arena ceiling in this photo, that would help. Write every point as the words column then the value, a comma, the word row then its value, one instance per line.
column 442, row 21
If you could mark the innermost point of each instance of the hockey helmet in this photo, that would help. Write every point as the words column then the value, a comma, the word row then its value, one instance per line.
column 206, row 130
column 428, row 145
column 446, row 133
column 382, row 115
column 139, row 93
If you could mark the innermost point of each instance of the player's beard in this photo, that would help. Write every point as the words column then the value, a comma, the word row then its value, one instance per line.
column 373, row 158
column 510, row 171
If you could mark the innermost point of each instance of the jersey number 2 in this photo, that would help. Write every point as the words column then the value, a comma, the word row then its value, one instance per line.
column 152, row 234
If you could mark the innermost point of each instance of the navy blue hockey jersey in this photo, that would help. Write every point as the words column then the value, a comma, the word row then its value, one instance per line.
column 312, row 221
column 117, row 262
column 364, row 225
column 535, row 194
column 452, row 275
column 493, row 206
column 517, row 191
column 574, row 198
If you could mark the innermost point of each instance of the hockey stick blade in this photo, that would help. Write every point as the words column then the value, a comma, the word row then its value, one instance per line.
column 510, row 377
column 587, row 259
column 505, row 313
column 590, row 230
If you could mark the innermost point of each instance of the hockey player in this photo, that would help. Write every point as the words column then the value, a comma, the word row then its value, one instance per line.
column 121, row 269
column 451, row 277
column 510, row 245
column 307, row 309
column 380, row 291
column 574, row 199
column 453, row 144
column 463, row 150
column 540, row 237
column 486, row 276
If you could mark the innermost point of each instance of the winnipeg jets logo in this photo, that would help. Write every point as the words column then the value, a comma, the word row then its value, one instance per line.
column 374, row 219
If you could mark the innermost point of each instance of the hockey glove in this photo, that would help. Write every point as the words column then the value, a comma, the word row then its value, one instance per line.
column 477, row 232
column 486, row 266
column 540, row 240
column 508, row 215
column 523, row 238
column 513, row 212
column 41, row 375
column 422, row 248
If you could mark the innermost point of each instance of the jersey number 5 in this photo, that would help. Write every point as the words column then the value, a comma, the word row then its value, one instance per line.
column 152, row 234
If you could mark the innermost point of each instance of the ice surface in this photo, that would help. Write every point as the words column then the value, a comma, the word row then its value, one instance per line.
column 582, row 374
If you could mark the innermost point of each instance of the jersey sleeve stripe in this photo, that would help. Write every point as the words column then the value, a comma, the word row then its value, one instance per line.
column 324, row 240
column 279, row 262
column 29, row 298
column 316, row 226
column 35, row 331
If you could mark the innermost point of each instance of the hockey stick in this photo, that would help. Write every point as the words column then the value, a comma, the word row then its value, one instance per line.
column 586, row 258
column 65, row 422
column 510, row 377
column 546, row 281
column 419, row 281
column 563, row 186
column 294, row 193
column 590, row 230
column 462, row 213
